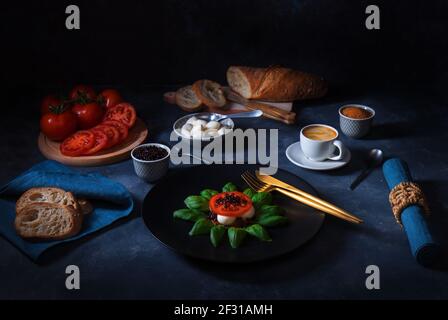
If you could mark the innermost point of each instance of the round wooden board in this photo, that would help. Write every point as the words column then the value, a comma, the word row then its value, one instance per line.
column 137, row 135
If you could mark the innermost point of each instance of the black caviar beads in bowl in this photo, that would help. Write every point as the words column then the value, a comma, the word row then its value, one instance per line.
column 151, row 161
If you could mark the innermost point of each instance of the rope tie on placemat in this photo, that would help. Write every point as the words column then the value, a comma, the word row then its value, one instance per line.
column 407, row 194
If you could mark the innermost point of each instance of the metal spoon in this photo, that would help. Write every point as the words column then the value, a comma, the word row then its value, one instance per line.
column 374, row 160
column 220, row 117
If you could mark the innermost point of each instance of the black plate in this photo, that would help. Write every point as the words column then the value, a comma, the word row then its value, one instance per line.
column 169, row 194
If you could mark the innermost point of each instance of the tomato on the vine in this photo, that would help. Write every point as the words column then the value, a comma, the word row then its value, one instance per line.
column 89, row 114
column 59, row 123
column 48, row 102
column 83, row 92
column 109, row 98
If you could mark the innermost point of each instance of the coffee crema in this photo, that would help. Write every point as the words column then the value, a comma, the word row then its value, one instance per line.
column 319, row 133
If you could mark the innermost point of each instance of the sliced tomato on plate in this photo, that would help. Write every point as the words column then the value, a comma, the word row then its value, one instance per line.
column 101, row 142
column 77, row 144
column 113, row 135
column 121, row 127
column 230, row 204
column 123, row 112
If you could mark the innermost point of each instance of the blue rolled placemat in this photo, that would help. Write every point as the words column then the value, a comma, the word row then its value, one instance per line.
column 423, row 247
column 110, row 199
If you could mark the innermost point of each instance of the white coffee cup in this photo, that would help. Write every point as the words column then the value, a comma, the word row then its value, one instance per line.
column 321, row 143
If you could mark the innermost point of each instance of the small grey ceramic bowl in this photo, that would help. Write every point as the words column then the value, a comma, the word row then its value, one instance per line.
column 356, row 128
column 151, row 171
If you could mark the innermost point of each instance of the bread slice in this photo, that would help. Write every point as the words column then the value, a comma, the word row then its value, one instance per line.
column 85, row 206
column 210, row 93
column 187, row 99
column 49, row 221
column 49, row 195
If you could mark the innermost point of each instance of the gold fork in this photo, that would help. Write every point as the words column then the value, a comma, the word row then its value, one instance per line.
column 278, row 183
column 259, row 186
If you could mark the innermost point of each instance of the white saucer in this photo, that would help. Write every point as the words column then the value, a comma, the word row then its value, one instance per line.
column 296, row 156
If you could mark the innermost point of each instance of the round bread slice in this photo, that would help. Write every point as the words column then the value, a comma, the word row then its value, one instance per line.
column 49, row 195
column 187, row 99
column 47, row 221
column 210, row 93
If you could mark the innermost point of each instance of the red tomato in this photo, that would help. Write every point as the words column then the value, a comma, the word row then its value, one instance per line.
column 230, row 204
column 109, row 98
column 49, row 101
column 83, row 92
column 123, row 112
column 101, row 142
column 122, row 128
column 58, row 124
column 77, row 144
column 89, row 115
column 113, row 135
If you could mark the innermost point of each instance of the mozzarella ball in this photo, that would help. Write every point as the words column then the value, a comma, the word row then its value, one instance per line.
column 186, row 129
column 249, row 214
column 192, row 120
column 201, row 123
column 227, row 221
column 213, row 125
column 212, row 133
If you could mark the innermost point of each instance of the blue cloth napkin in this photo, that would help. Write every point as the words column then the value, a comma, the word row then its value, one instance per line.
column 423, row 247
column 111, row 201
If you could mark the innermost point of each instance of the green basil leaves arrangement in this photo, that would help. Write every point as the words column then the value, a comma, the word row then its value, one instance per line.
column 197, row 211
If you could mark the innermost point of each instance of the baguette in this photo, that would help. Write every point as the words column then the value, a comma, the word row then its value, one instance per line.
column 187, row 99
column 48, row 221
column 49, row 195
column 210, row 93
column 275, row 83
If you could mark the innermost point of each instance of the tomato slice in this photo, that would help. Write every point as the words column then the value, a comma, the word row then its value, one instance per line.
column 122, row 128
column 123, row 112
column 101, row 142
column 113, row 135
column 77, row 144
column 230, row 204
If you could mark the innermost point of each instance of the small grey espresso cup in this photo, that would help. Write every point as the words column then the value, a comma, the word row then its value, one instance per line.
column 151, row 170
column 322, row 149
column 353, row 127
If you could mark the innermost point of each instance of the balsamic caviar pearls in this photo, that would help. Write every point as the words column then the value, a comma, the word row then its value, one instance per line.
column 150, row 153
column 231, row 200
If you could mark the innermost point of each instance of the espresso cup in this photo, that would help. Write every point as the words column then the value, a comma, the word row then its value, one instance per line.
column 318, row 143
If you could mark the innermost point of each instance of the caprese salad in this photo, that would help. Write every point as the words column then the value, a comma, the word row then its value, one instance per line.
column 231, row 212
column 86, row 123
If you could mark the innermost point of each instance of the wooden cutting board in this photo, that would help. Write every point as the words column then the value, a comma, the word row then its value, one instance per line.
column 137, row 135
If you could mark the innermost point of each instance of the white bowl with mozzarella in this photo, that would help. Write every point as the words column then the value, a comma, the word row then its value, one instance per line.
column 202, row 126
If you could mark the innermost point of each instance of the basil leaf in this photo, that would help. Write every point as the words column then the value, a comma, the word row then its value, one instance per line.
column 202, row 226
column 197, row 203
column 229, row 187
column 271, row 210
column 236, row 236
column 262, row 198
column 216, row 234
column 259, row 232
column 249, row 192
column 188, row 214
column 208, row 193
column 271, row 220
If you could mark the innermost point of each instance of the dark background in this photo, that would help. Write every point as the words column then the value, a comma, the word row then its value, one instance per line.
column 176, row 41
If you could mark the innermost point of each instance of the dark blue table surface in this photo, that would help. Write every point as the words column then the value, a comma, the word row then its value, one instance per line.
column 126, row 261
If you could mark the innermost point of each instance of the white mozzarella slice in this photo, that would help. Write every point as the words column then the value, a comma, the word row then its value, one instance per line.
column 226, row 220
column 249, row 214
